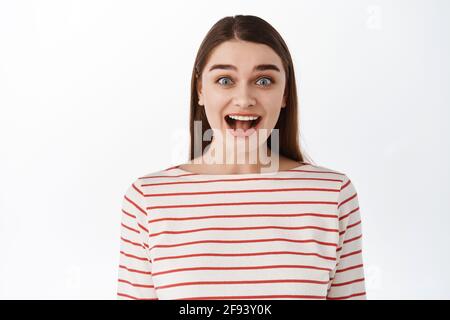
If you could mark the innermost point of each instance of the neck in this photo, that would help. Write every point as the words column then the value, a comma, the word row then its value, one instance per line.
column 255, row 161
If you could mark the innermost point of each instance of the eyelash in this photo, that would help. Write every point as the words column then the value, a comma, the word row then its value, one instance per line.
column 269, row 78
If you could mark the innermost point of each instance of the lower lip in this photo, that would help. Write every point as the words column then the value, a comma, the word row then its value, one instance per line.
column 242, row 133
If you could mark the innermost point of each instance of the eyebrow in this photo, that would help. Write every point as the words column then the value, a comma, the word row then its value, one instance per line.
column 261, row 67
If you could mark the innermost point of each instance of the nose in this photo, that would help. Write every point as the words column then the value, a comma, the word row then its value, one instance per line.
column 244, row 98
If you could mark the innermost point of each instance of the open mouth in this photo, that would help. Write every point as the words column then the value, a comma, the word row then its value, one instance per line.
column 244, row 123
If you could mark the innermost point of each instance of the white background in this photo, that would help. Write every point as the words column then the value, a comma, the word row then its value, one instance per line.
column 94, row 94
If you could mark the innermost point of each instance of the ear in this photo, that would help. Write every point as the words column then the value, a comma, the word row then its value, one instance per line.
column 283, row 103
column 199, row 92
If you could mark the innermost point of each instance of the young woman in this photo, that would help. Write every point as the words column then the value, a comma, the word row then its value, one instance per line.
column 277, row 227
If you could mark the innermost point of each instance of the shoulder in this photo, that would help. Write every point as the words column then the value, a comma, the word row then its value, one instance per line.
column 138, row 186
column 325, row 170
column 345, row 182
column 154, row 175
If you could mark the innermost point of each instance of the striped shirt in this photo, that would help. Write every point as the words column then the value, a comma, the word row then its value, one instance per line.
column 292, row 234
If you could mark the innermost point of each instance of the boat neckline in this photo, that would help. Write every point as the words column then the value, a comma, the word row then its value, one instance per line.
column 302, row 164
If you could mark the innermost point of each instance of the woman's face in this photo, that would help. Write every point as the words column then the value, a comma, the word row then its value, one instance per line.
column 244, row 78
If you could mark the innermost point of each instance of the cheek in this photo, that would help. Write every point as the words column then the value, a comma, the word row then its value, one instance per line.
column 273, row 109
column 215, row 104
column 213, row 114
column 274, row 99
column 271, row 118
column 216, row 99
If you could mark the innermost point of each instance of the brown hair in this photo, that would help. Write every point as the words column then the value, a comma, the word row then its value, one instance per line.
column 253, row 29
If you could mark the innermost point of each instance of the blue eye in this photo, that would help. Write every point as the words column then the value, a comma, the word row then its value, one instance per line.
column 270, row 80
column 263, row 78
column 221, row 79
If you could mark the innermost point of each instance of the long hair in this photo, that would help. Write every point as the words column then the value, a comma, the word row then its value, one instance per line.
column 253, row 29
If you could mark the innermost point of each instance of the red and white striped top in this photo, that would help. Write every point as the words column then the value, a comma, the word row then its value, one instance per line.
column 293, row 234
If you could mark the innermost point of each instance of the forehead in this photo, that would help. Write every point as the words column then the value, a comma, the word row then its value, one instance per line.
column 244, row 55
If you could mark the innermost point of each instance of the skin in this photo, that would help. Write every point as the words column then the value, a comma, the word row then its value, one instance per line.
column 225, row 90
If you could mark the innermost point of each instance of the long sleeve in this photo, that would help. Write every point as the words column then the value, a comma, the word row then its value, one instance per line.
column 135, row 267
column 347, row 278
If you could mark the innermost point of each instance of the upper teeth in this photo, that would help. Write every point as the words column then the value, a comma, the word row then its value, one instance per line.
column 243, row 118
